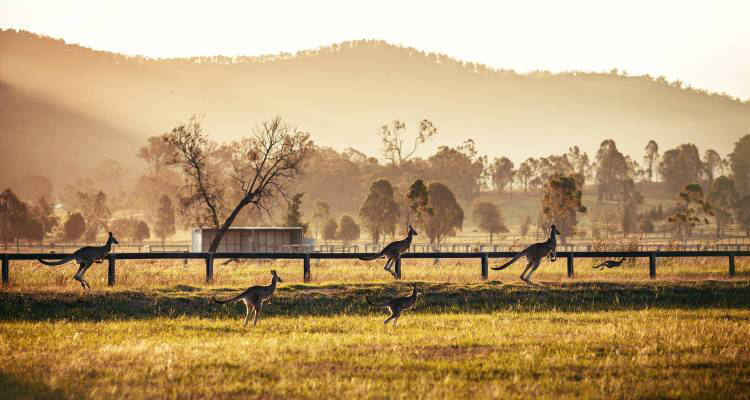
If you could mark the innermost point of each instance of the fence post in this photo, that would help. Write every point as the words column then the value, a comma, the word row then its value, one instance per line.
column 6, row 270
column 398, row 267
column 570, row 265
column 210, row 267
column 306, row 268
column 731, row 266
column 652, row 265
column 485, row 266
column 111, row 270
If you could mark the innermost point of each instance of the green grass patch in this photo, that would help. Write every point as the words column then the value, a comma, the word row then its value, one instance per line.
column 487, row 340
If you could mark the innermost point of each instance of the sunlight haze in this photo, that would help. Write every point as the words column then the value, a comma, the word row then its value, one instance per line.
column 703, row 44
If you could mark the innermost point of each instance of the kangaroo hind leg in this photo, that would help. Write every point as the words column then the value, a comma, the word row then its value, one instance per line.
column 83, row 267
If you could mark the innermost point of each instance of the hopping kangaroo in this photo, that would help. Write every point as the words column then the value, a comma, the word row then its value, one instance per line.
column 85, row 257
column 397, row 305
column 534, row 255
column 254, row 297
column 610, row 263
column 393, row 251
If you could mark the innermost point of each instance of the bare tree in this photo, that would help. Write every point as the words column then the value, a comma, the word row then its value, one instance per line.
column 261, row 166
column 393, row 139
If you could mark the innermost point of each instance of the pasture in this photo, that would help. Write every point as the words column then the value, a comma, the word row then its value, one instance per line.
column 157, row 334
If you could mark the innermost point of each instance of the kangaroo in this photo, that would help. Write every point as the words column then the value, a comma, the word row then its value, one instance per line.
column 254, row 297
column 393, row 251
column 85, row 257
column 397, row 305
column 610, row 263
column 534, row 255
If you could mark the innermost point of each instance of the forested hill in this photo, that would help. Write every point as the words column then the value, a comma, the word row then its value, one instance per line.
column 80, row 99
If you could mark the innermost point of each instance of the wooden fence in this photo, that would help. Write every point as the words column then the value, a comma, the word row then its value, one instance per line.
column 484, row 257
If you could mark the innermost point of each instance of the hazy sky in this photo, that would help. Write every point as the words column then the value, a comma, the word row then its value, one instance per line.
column 703, row 43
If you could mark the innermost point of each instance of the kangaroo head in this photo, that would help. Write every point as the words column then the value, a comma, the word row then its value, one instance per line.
column 414, row 289
column 553, row 230
column 412, row 231
column 276, row 277
column 112, row 238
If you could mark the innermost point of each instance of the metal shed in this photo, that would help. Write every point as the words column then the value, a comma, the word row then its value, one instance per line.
column 251, row 239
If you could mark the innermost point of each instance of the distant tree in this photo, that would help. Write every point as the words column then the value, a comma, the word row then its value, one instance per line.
column 739, row 161
column 630, row 197
column 742, row 210
column 380, row 212
column 525, row 224
column 447, row 216
column 681, row 166
column 723, row 199
column 393, row 139
column 158, row 154
column 348, row 229
column 13, row 215
column 32, row 187
column 651, row 157
column 142, row 231
column 561, row 203
column 261, row 166
column 293, row 216
column 502, row 174
column 74, row 226
column 460, row 168
column 711, row 161
column 419, row 202
column 32, row 229
column 579, row 161
column 45, row 214
column 165, row 219
column 525, row 172
column 690, row 211
column 329, row 230
column 489, row 218
column 321, row 214
column 645, row 225
column 124, row 227
column 612, row 170
column 96, row 212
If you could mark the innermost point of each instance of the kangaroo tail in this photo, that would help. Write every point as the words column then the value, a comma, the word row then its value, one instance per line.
column 58, row 262
column 373, row 304
column 512, row 260
column 233, row 299
column 372, row 257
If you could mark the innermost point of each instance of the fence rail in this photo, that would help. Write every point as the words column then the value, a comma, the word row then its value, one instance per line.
column 209, row 258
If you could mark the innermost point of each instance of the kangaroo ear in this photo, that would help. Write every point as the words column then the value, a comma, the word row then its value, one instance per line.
column 273, row 272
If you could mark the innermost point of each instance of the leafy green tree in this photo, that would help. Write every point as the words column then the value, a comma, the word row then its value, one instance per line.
column 739, row 161
column 142, row 231
column 380, row 211
column 348, row 229
column 651, row 157
column 691, row 210
column 165, row 219
column 293, row 215
column 419, row 202
column 489, row 218
column 446, row 217
column 74, row 226
column 723, row 199
column 13, row 215
column 681, row 166
column 561, row 203
column 329, row 230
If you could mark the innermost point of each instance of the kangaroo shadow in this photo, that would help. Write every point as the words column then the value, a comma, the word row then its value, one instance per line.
column 349, row 299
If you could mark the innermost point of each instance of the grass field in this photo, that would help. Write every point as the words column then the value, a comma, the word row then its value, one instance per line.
column 158, row 334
